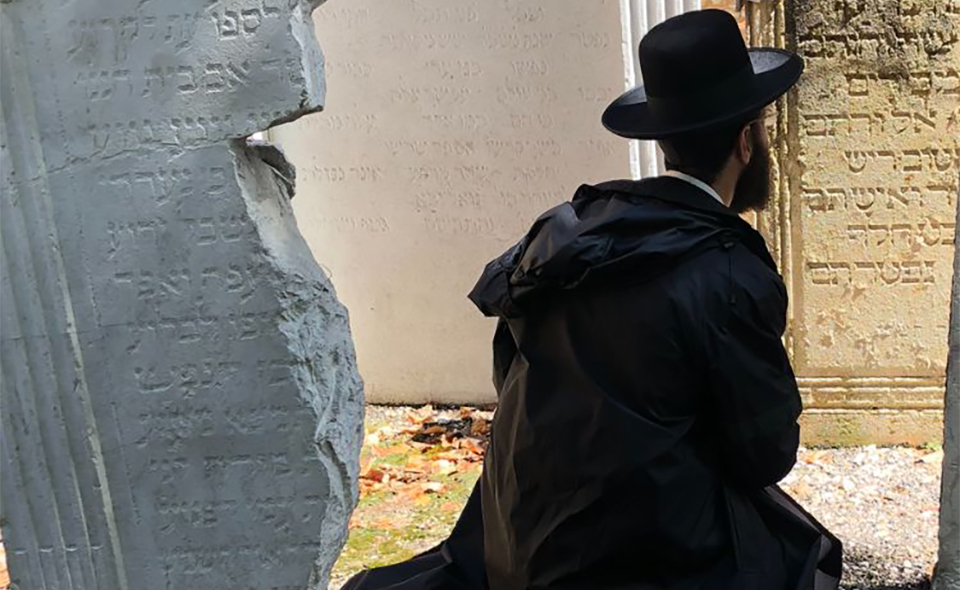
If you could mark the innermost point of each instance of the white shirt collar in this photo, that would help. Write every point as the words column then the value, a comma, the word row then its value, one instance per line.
column 697, row 183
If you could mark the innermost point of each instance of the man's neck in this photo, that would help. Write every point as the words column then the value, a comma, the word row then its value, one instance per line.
column 725, row 185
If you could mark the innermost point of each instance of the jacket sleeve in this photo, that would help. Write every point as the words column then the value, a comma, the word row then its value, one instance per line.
column 504, row 349
column 752, row 385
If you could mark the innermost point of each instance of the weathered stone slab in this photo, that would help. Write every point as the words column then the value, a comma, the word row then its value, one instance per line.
column 453, row 124
column 181, row 407
column 947, row 575
column 864, row 225
column 879, row 147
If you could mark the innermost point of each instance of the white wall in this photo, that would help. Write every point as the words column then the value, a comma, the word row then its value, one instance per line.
column 450, row 125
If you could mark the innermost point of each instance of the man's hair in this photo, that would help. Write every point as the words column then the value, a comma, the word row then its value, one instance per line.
column 703, row 155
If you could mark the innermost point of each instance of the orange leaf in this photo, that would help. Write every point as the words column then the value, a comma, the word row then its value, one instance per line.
column 411, row 492
column 472, row 447
column 373, row 474
column 814, row 457
column 421, row 415
column 479, row 427
column 364, row 464
column 417, row 464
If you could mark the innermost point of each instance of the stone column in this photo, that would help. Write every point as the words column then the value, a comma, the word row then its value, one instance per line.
column 948, row 567
column 181, row 405
column 638, row 17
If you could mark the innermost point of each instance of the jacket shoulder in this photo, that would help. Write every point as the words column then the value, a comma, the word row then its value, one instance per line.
column 735, row 280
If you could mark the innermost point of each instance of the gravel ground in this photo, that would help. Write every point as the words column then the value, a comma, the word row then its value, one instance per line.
column 881, row 502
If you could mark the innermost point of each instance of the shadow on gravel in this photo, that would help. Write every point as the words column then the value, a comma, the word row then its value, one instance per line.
column 864, row 571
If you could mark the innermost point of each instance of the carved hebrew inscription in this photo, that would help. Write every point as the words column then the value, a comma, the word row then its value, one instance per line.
column 181, row 407
column 456, row 125
column 879, row 134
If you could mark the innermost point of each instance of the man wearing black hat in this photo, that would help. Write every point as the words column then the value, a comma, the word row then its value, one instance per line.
column 647, row 406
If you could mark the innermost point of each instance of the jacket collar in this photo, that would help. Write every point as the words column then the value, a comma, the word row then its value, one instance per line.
column 683, row 194
column 672, row 190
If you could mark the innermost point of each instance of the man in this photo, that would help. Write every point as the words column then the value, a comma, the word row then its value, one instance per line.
column 647, row 406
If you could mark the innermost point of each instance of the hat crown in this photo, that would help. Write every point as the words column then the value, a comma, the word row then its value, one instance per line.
column 687, row 53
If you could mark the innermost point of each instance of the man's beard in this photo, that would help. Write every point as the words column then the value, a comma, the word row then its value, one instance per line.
column 752, row 192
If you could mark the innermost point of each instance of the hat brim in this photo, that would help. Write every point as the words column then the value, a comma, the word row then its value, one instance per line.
column 775, row 72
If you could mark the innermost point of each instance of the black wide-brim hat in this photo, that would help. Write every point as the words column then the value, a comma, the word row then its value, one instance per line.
column 699, row 76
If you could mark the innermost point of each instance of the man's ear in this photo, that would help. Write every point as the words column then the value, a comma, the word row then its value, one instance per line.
column 744, row 149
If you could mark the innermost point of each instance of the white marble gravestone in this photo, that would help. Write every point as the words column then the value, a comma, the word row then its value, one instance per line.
column 181, row 406
column 453, row 125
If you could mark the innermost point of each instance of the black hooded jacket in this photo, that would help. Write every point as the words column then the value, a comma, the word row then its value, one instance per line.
column 646, row 408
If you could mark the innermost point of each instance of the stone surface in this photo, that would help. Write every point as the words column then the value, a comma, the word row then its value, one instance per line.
column 885, row 426
column 863, row 223
column 879, row 142
column 948, row 566
column 181, row 407
column 452, row 124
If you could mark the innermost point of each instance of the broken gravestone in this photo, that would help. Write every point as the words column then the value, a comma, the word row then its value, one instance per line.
column 181, row 406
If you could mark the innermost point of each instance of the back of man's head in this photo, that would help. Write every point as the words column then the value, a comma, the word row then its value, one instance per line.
column 702, row 155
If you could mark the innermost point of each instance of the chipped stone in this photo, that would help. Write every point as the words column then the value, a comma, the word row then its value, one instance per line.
column 181, row 405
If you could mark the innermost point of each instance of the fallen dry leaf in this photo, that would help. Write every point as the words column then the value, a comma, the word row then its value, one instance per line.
column 433, row 444
column 364, row 463
column 472, row 447
column 802, row 491
column 374, row 474
column 816, row 457
column 408, row 493
column 417, row 461
column 421, row 415
column 479, row 427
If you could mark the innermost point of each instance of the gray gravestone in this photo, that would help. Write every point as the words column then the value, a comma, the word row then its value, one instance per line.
column 948, row 566
column 181, row 406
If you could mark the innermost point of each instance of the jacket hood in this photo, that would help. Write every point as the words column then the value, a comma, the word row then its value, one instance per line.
column 617, row 232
